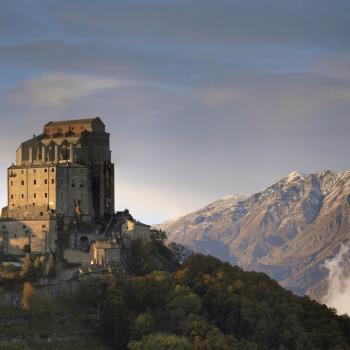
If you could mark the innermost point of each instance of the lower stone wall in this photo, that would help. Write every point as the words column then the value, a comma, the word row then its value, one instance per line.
column 76, row 257
column 40, row 235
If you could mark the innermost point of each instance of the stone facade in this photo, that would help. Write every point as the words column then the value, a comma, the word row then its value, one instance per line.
column 72, row 143
column 105, row 253
column 39, row 234
column 61, row 178
column 60, row 188
column 132, row 230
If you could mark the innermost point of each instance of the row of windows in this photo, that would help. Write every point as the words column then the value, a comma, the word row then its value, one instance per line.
column 34, row 182
column 45, row 182
column 45, row 170
column 22, row 195
column 34, row 195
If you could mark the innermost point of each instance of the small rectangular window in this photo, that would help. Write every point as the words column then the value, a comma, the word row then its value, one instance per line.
column 52, row 181
column 45, row 181
column 22, row 196
column 11, row 183
column 11, row 196
column 34, row 171
column 43, row 226
column 34, row 195
column 45, row 195
column 34, row 182
column 22, row 183
column 45, row 170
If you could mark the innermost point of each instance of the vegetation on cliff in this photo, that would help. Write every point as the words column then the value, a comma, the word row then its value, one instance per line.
column 208, row 304
column 203, row 304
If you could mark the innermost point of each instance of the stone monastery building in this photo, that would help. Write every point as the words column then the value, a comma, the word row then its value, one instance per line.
column 62, row 186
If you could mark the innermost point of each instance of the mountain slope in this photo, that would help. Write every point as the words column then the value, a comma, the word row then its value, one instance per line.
column 286, row 230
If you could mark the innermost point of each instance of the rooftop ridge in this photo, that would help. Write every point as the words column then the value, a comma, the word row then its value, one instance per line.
column 73, row 121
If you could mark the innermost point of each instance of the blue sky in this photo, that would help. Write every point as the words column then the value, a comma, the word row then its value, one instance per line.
column 202, row 98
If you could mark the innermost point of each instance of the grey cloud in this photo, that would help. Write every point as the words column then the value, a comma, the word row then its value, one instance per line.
column 317, row 22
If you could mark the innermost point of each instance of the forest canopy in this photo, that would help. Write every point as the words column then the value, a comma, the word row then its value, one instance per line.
column 208, row 304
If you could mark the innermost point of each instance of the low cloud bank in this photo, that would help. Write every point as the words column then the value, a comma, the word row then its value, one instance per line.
column 338, row 295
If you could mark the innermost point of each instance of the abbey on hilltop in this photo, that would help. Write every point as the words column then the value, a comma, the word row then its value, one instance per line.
column 61, row 191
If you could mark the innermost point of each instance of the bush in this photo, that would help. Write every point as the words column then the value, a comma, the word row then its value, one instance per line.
column 14, row 345
column 161, row 342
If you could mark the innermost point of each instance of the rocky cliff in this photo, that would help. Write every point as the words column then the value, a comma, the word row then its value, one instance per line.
column 287, row 230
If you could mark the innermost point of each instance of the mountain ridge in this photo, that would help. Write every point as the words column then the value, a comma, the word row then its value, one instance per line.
column 287, row 230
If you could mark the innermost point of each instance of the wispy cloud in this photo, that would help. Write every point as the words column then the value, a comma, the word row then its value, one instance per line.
column 59, row 90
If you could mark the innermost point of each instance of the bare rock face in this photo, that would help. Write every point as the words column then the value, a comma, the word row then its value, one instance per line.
column 287, row 230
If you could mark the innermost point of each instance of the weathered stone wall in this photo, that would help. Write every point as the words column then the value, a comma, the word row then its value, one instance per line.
column 55, row 188
column 32, row 186
column 66, row 143
column 132, row 230
column 76, row 257
column 41, row 235
column 74, row 184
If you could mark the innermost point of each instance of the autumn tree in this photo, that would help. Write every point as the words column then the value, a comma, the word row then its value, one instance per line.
column 38, row 267
column 28, row 270
column 50, row 269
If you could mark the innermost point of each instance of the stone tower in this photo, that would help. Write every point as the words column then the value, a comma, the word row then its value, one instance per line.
column 69, row 163
column 64, row 173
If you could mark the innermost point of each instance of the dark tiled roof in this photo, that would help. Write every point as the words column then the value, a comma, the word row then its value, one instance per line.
column 74, row 121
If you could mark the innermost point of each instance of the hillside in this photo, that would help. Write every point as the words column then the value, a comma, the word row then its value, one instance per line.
column 202, row 304
column 208, row 304
column 286, row 230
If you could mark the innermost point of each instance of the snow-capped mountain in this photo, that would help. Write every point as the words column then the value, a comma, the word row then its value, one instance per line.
column 287, row 230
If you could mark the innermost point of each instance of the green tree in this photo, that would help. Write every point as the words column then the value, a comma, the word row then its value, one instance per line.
column 181, row 305
column 14, row 345
column 116, row 322
column 143, row 325
column 161, row 342
column 216, row 340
